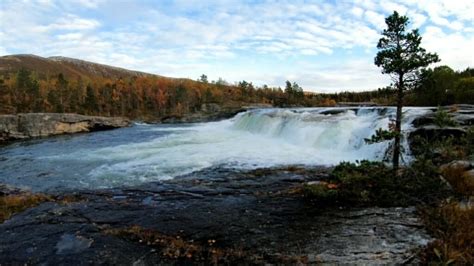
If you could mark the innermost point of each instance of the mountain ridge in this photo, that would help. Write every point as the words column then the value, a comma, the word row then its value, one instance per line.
column 68, row 66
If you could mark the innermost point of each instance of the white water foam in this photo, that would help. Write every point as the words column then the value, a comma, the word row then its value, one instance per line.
column 257, row 138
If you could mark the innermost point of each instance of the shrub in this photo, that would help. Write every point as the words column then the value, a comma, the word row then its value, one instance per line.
column 320, row 191
column 373, row 183
column 442, row 150
column 443, row 119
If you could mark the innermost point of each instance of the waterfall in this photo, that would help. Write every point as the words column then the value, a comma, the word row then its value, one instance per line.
column 339, row 132
column 253, row 139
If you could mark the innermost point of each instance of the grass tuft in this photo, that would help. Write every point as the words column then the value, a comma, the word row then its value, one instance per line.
column 180, row 250
column 453, row 227
column 11, row 204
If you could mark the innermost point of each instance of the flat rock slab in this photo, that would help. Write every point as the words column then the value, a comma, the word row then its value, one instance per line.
column 256, row 212
column 34, row 125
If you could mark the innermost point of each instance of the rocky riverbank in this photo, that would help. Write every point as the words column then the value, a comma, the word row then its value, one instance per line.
column 227, row 216
column 447, row 122
column 211, row 112
column 34, row 125
column 212, row 216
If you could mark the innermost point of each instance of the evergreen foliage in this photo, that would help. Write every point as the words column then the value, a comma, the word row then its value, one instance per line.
column 401, row 56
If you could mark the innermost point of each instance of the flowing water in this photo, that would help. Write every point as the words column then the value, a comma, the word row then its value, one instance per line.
column 144, row 153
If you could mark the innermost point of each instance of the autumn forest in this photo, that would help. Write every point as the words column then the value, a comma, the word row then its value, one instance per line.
column 151, row 97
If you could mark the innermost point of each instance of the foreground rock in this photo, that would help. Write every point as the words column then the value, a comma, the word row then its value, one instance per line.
column 33, row 125
column 235, row 217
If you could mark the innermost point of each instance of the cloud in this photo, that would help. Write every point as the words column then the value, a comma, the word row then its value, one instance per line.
column 454, row 48
column 323, row 43
column 416, row 19
column 376, row 19
column 73, row 22
column 89, row 3
column 389, row 7
column 357, row 11
column 70, row 37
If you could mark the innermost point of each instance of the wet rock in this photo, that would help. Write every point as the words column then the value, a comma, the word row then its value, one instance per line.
column 461, row 107
column 199, row 117
column 429, row 133
column 462, row 114
column 369, row 236
column 465, row 119
column 251, row 211
column 212, row 112
column 208, row 114
column 427, row 130
column 10, row 190
column 33, row 125
column 432, row 132
column 72, row 244
column 333, row 111
column 423, row 120
column 356, row 104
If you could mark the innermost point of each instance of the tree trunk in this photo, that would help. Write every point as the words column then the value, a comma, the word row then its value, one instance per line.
column 398, row 124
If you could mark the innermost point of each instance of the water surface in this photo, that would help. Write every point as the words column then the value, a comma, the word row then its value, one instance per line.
column 144, row 153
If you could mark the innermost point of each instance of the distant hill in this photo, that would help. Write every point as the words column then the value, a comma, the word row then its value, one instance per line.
column 33, row 84
column 70, row 67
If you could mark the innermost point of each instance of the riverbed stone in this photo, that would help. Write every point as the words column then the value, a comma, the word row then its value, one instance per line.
column 34, row 125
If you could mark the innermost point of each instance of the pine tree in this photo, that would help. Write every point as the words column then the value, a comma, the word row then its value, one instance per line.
column 90, row 102
column 401, row 57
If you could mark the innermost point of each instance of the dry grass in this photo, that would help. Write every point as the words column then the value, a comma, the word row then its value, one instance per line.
column 189, row 252
column 459, row 181
column 11, row 204
column 177, row 248
column 453, row 226
column 18, row 202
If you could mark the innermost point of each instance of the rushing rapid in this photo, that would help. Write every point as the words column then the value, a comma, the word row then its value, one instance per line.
column 144, row 153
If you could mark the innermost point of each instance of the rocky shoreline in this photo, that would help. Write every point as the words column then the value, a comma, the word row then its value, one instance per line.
column 211, row 112
column 35, row 125
column 434, row 126
column 221, row 215
column 229, row 216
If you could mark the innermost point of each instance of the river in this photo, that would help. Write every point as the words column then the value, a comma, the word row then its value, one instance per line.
column 144, row 152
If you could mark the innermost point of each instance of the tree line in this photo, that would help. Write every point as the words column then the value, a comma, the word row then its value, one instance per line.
column 436, row 86
column 443, row 86
column 154, row 97
column 144, row 97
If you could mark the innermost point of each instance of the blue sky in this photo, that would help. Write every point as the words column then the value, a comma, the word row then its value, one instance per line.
column 325, row 46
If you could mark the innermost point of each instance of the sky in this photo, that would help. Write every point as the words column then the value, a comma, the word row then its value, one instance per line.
column 325, row 46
